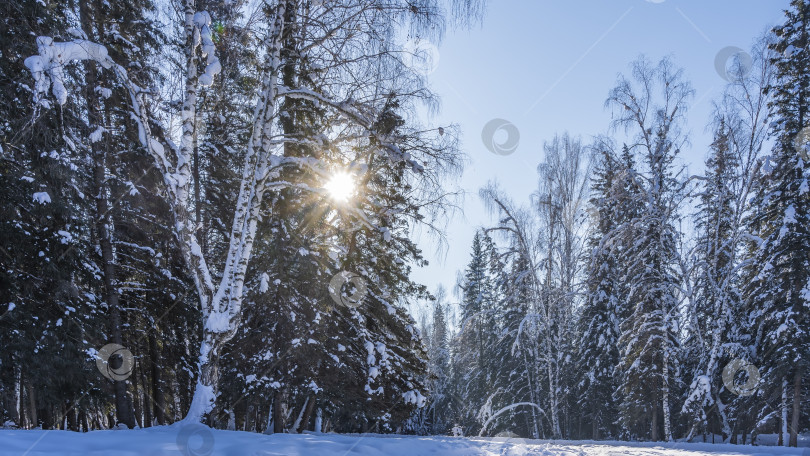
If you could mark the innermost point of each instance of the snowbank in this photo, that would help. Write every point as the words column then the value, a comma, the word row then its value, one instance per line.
column 198, row 440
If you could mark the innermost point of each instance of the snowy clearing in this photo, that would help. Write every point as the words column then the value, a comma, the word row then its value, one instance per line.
column 197, row 440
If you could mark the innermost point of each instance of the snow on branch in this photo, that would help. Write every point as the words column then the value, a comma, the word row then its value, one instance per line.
column 47, row 66
column 202, row 22
column 506, row 409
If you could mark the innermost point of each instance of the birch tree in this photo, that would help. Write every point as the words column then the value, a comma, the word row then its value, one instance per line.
column 651, row 107
column 342, row 40
column 716, row 324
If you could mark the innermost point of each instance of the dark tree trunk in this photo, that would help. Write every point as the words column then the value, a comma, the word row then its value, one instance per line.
column 94, row 117
column 137, row 402
column 70, row 415
column 83, row 422
column 157, row 392
column 19, row 397
column 307, row 414
column 279, row 411
column 654, row 424
column 145, row 393
column 797, row 400
column 32, row 404
column 47, row 417
column 14, row 394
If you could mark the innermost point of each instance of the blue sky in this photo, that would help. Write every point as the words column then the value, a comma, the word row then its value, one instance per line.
column 546, row 66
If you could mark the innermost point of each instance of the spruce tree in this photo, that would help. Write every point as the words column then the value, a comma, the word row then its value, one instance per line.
column 777, row 293
column 611, row 209
column 715, row 312
column 649, row 335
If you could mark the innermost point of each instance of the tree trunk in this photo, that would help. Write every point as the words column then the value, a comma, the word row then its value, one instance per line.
column 784, row 407
column 47, row 417
column 665, row 394
column 16, row 396
column 279, row 411
column 137, row 398
column 205, row 392
column 83, row 422
column 147, row 403
column 307, row 414
column 94, row 118
column 797, row 399
column 157, row 393
column 70, row 416
column 654, row 423
column 32, row 404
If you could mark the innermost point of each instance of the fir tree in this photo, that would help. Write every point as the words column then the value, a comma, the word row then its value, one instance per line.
column 599, row 321
column 777, row 294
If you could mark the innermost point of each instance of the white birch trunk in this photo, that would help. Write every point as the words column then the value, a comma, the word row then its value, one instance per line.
column 665, row 394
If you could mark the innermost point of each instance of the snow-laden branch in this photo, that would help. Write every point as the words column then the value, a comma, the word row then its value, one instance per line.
column 47, row 69
column 47, row 66
column 506, row 409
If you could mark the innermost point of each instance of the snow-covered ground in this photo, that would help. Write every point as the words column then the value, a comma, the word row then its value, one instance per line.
column 193, row 440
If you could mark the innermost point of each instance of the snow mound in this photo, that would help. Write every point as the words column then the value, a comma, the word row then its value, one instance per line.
column 195, row 439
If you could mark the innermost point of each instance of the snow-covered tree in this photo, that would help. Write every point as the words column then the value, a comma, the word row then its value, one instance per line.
column 716, row 288
column 651, row 107
column 355, row 106
column 777, row 292
column 613, row 207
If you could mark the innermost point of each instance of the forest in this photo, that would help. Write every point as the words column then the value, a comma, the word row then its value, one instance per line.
column 208, row 212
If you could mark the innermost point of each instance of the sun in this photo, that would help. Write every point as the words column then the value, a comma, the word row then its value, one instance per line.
column 340, row 186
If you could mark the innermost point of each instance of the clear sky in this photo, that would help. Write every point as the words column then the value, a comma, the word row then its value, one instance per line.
column 546, row 66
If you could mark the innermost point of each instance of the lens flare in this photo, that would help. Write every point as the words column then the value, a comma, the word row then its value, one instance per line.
column 340, row 186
